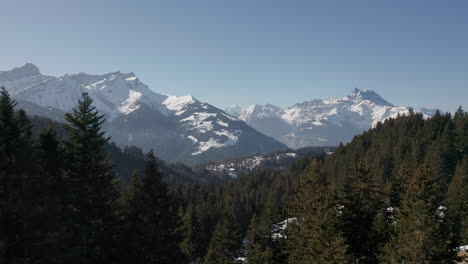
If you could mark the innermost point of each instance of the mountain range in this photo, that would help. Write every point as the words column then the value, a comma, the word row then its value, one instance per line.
column 184, row 129
column 322, row 122
column 178, row 128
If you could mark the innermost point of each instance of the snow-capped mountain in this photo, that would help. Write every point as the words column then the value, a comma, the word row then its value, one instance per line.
column 177, row 128
column 322, row 122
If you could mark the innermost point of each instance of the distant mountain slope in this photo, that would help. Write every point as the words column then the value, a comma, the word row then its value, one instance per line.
column 323, row 122
column 126, row 160
column 179, row 129
column 275, row 161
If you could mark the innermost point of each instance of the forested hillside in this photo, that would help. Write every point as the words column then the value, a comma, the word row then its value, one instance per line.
column 131, row 158
column 395, row 194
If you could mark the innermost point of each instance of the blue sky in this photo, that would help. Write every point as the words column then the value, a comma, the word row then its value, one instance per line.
column 252, row 51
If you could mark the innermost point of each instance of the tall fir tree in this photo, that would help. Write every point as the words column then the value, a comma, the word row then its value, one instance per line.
column 9, row 193
column 192, row 243
column 152, row 218
column 460, row 120
column 314, row 237
column 53, row 192
column 419, row 235
column 92, row 192
column 226, row 240
column 457, row 205
column 255, row 252
column 20, row 211
column 361, row 204
column 130, row 222
column 267, row 244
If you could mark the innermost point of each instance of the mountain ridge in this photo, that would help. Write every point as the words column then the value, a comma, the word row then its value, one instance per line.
column 178, row 128
column 321, row 122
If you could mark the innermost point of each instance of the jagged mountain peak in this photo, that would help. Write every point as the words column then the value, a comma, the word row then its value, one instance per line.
column 29, row 69
column 368, row 95
column 24, row 71
column 114, row 93
column 93, row 80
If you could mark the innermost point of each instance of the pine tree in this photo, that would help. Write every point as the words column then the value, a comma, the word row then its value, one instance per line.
column 381, row 232
column 52, row 193
column 361, row 203
column 457, row 205
column 267, row 244
column 417, row 236
column 398, row 186
column 18, row 205
column 256, row 254
column 328, row 244
column 152, row 219
column 254, row 250
column 226, row 240
column 460, row 120
column 8, row 193
column 315, row 237
column 131, row 223
column 92, row 193
column 252, row 230
column 192, row 243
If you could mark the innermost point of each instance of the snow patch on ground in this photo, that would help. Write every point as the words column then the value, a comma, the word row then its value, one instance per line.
column 178, row 103
column 224, row 124
column 198, row 122
column 204, row 146
column 194, row 139
column 232, row 139
column 232, row 136
column 131, row 103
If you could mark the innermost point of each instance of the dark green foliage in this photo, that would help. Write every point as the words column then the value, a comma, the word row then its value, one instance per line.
column 91, row 194
column 151, row 224
column 314, row 236
column 266, row 242
column 21, row 222
column 52, row 194
column 419, row 232
column 398, row 186
column 461, row 132
column 131, row 228
column 192, row 243
column 226, row 241
column 457, row 205
column 361, row 203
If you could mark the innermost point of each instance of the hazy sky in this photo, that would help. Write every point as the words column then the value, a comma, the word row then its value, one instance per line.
column 251, row 51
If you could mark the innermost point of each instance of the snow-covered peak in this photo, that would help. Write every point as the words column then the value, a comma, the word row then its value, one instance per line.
column 260, row 111
column 114, row 93
column 323, row 121
column 368, row 95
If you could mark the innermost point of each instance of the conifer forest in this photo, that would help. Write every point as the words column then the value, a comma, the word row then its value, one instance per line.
column 395, row 194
